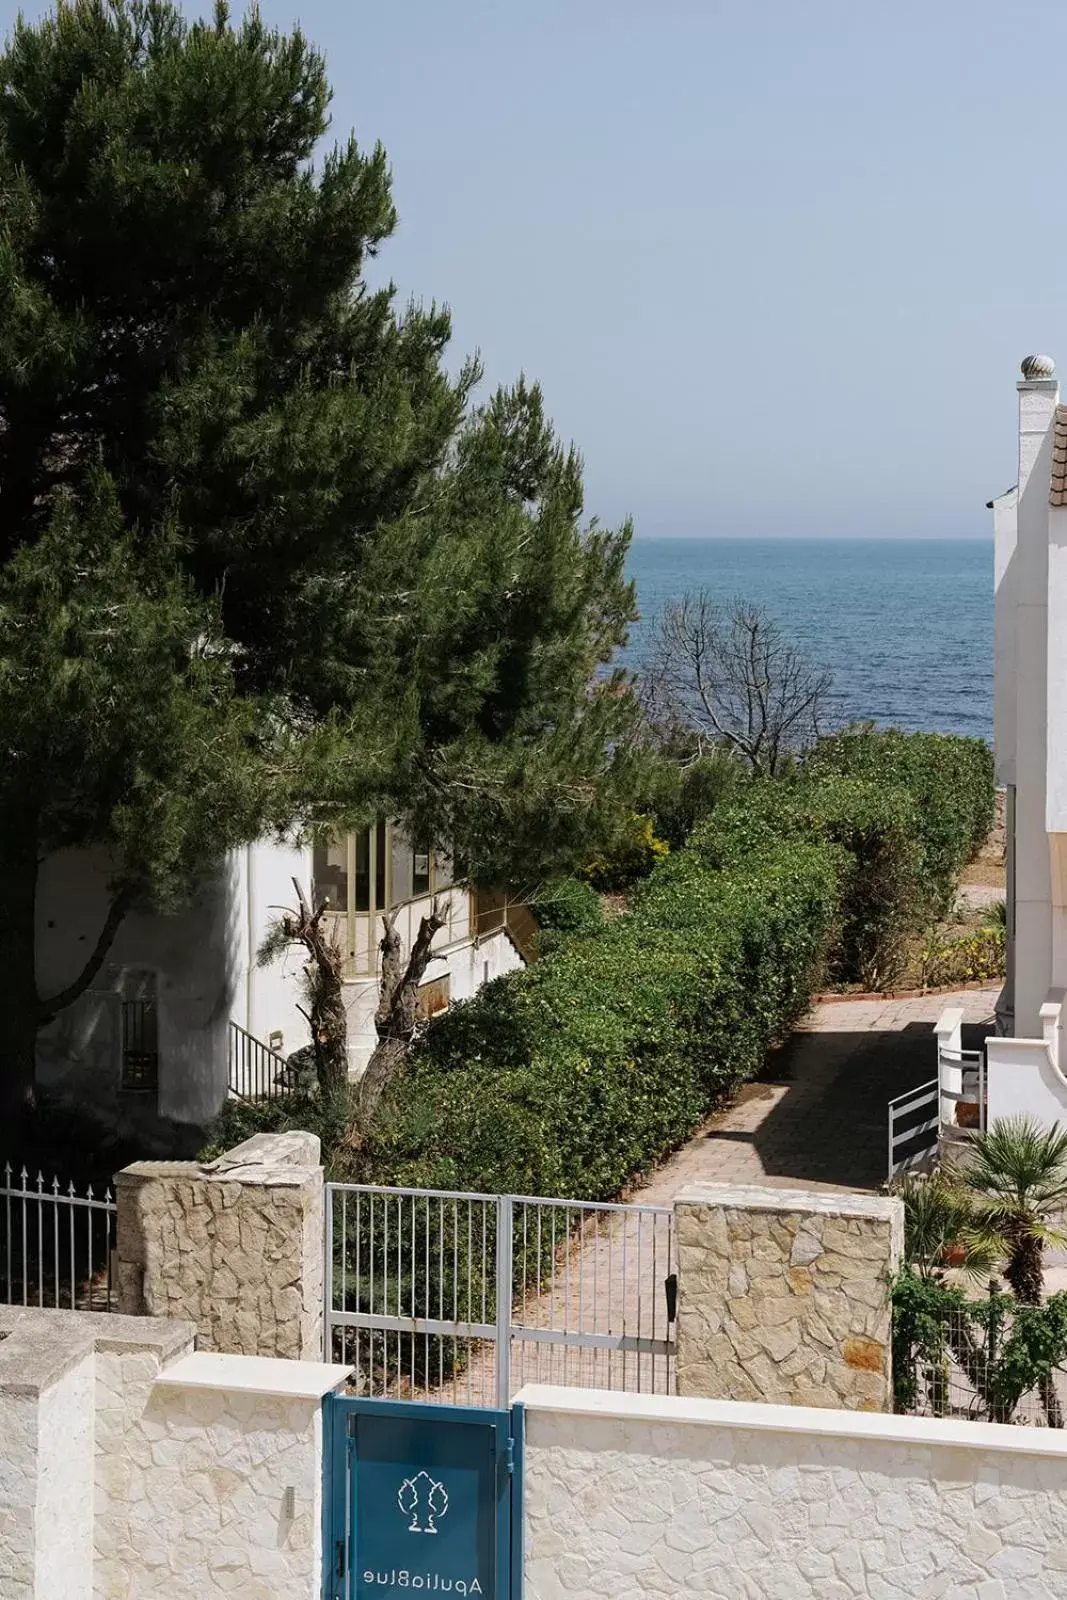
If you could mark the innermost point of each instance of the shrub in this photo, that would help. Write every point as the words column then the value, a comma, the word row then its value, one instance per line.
column 970, row 958
column 950, row 780
column 678, row 794
column 630, row 855
column 565, row 908
column 577, row 1074
column 874, row 830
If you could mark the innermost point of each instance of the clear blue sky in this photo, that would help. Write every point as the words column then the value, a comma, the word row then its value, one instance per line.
column 774, row 263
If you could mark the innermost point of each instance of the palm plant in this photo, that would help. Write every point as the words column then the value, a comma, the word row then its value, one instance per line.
column 939, row 1228
column 1016, row 1177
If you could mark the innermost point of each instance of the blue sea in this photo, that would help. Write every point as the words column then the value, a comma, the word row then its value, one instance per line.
column 904, row 625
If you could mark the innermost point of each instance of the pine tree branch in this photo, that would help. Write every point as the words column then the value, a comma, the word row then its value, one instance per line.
column 47, row 1009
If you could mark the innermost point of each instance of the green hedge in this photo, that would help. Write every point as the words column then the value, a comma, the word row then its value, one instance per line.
column 875, row 828
column 950, row 780
column 577, row 1074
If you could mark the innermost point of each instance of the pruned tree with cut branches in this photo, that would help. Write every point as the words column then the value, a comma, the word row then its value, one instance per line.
column 397, row 1016
column 323, row 978
column 717, row 676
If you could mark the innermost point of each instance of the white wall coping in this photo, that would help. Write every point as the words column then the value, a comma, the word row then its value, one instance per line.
column 292, row 1380
column 873, row 1426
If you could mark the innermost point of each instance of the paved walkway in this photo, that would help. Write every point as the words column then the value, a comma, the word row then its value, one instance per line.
column 817, row 1116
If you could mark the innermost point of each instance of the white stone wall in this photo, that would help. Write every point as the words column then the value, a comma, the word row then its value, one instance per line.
column 66, row 1446
column 194, row 1507
column 132, row 1466
column 629, row 1497
column 18, row 1495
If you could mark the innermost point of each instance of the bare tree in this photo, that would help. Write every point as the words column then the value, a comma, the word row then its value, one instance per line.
column 323, row 985
column 397, row 1015
column 731, row 677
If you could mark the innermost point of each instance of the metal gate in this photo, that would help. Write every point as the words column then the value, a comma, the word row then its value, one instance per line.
column 462, row 1298
column 421, row 1497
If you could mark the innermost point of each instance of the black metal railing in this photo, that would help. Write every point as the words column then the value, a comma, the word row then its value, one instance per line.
column 256, row 1072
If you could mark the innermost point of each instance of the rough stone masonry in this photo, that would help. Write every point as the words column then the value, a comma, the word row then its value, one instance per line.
column 233, row 1245
column 783, row 1295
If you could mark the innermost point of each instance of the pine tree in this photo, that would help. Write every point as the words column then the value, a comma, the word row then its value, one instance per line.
column 259, row 559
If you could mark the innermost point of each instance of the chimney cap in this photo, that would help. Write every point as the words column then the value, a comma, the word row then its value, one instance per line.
column 1038, row 367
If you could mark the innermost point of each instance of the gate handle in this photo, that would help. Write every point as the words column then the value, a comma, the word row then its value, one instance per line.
column 670, row 1286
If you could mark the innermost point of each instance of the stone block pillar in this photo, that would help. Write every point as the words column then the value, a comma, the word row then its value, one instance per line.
column 234, row 1245
column 783, row 1296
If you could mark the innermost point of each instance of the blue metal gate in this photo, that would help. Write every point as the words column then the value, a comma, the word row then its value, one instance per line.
column 421, row 1498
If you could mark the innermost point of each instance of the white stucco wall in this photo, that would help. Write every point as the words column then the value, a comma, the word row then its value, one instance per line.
column 1033, row 897
column 196, row 957
column 469, row 963
column 268, row 997
column 1024, row 1080
column 205, row 961
column 629, row 1496
column 1005, row 576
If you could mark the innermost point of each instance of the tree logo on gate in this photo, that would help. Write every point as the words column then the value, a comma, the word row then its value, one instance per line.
column 424, row 1500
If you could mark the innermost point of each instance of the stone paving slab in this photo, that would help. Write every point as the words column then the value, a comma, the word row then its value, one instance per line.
column 818, row 1116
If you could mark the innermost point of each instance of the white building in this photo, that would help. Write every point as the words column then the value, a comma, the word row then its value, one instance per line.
column 1025, row 1065
column 173, row 1017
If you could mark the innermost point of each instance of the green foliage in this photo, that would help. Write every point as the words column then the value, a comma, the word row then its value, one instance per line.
column 1005, row 1348
column 564, row 908
column 1015, row 1175
column 940, row 1227
column 950, row 780
column 967, row 958
column 873, row 830
column 677, row 792
column 577, row 1074
column 996, row 915
column 326, row 1116
column 259, row 558
column 630, row 853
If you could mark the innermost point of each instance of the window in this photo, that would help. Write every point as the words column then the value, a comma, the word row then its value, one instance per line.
column 372, row 870
column 329, row 870
column 420, row 872
column 140, row 1035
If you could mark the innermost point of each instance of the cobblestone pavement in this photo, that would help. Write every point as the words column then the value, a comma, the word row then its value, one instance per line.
column 817, row 1116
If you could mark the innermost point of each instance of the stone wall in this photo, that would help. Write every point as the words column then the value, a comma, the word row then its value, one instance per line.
column 133, row 1468
column 211, row 1485
column 234, row 1245
column 50, row 1506
column 782, row 1295
column 631, row 1496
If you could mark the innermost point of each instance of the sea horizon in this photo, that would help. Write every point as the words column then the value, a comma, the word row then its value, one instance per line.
column 904, row 624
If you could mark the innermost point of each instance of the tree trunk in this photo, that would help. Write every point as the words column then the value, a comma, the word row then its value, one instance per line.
column 1025, row 1270
column 329, row 1024
column 397, row 1013
column 18, row 973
